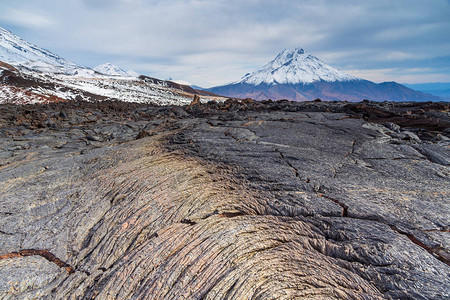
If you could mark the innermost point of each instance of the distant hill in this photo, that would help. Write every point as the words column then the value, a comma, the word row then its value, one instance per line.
column 441, row 89
column 197, row 87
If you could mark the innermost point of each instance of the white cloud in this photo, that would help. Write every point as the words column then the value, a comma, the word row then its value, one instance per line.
column 25, row 18
column 214, row 42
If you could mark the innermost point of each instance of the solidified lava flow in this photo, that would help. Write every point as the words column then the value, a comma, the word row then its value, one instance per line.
column 231, row 200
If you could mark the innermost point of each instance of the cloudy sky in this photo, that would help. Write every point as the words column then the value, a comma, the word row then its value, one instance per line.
column 214, row 42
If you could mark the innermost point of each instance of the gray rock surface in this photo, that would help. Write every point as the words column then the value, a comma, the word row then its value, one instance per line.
column 239, row 200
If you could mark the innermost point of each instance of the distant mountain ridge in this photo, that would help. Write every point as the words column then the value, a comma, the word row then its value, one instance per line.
column 441, row 89
column 30, row 74
column 293, row 74
column 298, row 76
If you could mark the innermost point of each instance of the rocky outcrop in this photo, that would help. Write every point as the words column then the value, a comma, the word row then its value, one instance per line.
column 233, row 200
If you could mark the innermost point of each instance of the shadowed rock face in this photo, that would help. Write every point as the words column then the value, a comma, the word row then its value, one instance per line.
column 271, row 200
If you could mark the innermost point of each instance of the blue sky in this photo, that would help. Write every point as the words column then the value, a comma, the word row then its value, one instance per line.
column 215, row 42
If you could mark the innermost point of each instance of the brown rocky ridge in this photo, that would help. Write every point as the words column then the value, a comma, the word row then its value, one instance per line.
column 232, row 200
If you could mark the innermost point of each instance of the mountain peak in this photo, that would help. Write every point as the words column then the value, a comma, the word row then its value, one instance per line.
column 293, row 66
column 110, row 69
column 292, row 52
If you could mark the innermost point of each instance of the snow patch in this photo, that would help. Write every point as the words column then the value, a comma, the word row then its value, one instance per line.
column 182, row 82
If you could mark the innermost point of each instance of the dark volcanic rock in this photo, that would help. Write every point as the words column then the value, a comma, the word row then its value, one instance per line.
column 234, row 200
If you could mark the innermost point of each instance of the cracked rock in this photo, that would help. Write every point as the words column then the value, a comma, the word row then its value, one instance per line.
column 236, row 200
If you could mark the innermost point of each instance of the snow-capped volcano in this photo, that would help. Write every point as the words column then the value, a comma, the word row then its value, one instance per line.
column 293, row 66
column 110, row 69
column 299, row 76
column 20, row 53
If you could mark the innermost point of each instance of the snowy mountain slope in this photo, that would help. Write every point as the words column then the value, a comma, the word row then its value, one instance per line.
column 20, row 53
column 298, row 76
column 29, row 74
column 132, row 73
column 33, row 87
column 293, row 66
column 110, row 69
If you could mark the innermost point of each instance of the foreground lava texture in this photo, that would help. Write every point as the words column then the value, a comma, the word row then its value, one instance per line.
column 234, row 200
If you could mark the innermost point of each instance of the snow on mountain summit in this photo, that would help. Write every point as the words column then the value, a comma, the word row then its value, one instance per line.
column 20, row 53
column 293, row 66
column 110, row 69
